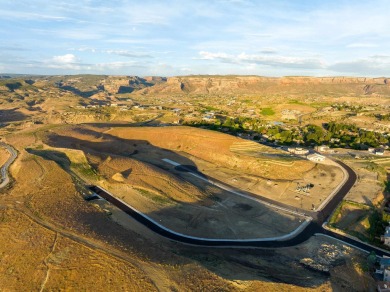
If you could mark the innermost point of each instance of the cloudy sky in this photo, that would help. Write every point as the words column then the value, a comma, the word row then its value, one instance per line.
column 157, row 37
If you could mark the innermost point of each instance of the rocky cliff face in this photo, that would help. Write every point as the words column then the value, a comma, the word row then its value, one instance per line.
column 332, row 80
column 257, row 84
column 128, row 84
column 90, row 85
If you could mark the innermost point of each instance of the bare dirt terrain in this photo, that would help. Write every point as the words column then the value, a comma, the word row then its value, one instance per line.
column 46, row 224
column 53, row 239
column 4, row 155
column 368, row 186
column 214, row 147
column 186, row 205
column 353, row 218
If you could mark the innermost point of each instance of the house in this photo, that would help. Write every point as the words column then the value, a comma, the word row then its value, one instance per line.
column 384, row 270
column 379, row 151
column 323, row 148
column 371, row 150
column 386, row 236
column 315, row 157
column 384, row 262
column 383, row 286
column 298, row 150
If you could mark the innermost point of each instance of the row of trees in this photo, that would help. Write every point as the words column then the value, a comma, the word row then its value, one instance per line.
column 332, row 134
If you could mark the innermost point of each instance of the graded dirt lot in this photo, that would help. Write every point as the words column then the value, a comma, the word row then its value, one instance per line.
column 222, row 216
column 271, row 173
column 133, row 169
column 368, row 186
column 145, row 181
column 353, row 218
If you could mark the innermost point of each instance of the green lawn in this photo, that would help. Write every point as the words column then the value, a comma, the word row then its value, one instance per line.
column 267, row 111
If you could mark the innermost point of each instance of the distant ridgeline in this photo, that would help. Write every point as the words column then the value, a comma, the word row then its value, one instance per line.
column 256, row 84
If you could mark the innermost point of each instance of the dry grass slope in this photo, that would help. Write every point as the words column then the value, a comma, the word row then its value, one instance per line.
column 215, row 148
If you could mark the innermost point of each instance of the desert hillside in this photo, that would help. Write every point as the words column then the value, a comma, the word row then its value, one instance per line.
column 258, row 84
column 216, row 148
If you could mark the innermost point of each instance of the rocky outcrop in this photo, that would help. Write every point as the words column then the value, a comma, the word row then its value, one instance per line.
column 257, row 84
column 332, row 80
column 124, row 84
column 90, row 85
column 128, row 84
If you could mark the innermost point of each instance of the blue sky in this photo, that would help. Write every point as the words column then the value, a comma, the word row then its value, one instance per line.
column 166, row 38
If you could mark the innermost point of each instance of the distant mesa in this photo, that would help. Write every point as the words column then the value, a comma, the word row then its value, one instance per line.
column 105, row 87
column 89, row 85
column 256, row 84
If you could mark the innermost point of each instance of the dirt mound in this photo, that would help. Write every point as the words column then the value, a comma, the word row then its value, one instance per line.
column 145, row 176
column 118, row 177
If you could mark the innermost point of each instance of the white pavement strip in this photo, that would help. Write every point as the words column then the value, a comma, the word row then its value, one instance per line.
column 171, row 162
column 221, row 186
column 278, row 238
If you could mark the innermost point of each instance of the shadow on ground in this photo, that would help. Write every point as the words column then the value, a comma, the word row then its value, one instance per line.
column 11, row 115
column 232, row 264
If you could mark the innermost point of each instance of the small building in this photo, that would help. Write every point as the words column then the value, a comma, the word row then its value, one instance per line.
column 384, row 270
column 371, row 150
column 383, row 286
column 380, row 151
column 298, row 150
column 323, row 148
column 315, row 157
column 386, row 237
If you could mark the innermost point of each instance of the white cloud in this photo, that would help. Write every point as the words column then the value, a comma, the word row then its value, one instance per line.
column 278, row 37
column 361, row 45
column 213, row 56
column 264, row 59
column 65, row 59
column 12, row 14
column 126, row 53
column 66, row 62
column 374, row 65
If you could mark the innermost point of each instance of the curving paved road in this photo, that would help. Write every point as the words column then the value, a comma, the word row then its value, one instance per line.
column 312, row 226
column 4, row 169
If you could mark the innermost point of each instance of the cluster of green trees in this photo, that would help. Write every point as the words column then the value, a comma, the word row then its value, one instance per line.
column 351, row 135
column 344, row 106
column 332, row 134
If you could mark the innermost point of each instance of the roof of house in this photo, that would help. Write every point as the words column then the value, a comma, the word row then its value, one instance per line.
column 315, row 155
column 387, row 232
column 383, row 286
column 385, row 261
